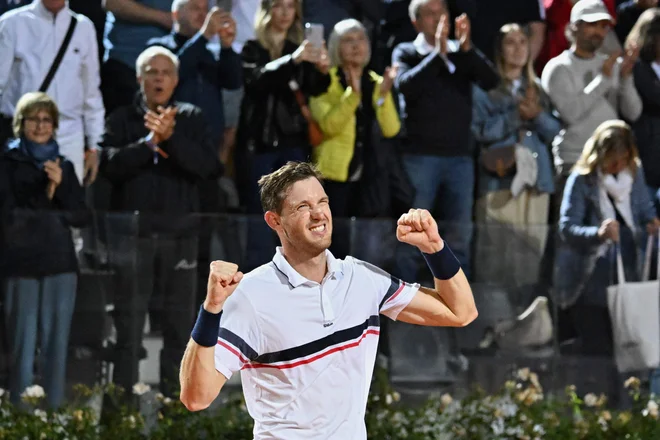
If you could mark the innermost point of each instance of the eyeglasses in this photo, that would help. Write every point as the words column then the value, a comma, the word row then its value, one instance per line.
column 47, row 122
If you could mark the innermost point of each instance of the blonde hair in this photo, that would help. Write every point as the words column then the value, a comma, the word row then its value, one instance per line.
column 30, row 104
column 342, row 28
column 611, row 137
column 528, row 72
column 646, row 34
column 262, row 27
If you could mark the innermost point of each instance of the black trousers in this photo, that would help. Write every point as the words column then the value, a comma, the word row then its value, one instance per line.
column 168, row 265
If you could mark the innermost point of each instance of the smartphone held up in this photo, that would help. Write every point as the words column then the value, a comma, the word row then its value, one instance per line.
column 314, row 34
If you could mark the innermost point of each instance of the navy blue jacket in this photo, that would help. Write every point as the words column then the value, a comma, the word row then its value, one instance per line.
column 203, row 75
column 35, row 234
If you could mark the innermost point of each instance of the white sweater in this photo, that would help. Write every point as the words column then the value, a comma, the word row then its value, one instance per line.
column 585, row 98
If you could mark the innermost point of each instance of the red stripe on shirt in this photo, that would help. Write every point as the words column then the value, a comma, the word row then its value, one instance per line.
column 317, row 357
column 233, row 350
column 396, row 293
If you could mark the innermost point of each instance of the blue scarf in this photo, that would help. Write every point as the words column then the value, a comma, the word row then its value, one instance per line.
column 37, row 153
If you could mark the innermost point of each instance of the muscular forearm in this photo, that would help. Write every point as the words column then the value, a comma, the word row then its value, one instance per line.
column 130, row 10
column 200, row 381
column 456, row 294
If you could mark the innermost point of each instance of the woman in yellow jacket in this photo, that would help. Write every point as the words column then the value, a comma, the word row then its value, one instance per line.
column 346, row 114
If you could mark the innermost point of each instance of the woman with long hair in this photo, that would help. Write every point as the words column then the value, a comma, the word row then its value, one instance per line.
column 40, row 199
column 605, row 203
column 280, row 72
column 513, row 126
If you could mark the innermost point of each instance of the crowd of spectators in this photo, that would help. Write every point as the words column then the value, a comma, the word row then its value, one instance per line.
column 519, row 112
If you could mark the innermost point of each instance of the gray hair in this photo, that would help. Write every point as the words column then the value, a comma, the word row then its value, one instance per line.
column 416, row 5
column 148, row 54
column 178, row 4
column 340, row 30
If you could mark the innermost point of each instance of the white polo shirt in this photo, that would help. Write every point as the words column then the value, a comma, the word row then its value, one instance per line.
column 306, row 351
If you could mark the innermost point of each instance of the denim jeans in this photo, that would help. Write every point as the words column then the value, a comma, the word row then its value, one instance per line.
column 45, row 305
column 446, row 183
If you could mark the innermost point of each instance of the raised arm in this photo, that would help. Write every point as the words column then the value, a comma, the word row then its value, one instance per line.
column 200, row 381
column 572, row 102
column 130, row 10
column 450, row 303
column 222, row 339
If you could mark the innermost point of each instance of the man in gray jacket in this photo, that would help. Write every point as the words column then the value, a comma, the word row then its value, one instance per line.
column 586, row 87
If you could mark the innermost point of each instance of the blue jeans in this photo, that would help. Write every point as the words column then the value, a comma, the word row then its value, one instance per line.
column 450, row 180
column 45, row 305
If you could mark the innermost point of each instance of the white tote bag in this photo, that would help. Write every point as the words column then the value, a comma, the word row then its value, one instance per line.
column 635, row 312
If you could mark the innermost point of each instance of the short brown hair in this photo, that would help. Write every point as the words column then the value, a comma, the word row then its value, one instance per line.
column 30, row 104
column 613, row 136
column 274, row 187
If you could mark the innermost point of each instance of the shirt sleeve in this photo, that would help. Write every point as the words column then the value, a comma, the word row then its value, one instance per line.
column 393, row 295
column 238, row 337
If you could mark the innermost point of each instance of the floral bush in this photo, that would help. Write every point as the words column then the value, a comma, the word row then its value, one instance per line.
column 519, row 411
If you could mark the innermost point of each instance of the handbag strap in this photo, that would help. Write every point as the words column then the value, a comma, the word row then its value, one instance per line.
column 60, row 55
column 619, row 266
column 647, row 259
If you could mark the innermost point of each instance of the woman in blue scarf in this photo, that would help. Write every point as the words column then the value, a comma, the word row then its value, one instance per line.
column 40, row 199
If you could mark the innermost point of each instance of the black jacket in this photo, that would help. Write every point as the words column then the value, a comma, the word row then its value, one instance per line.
column 437, row 104
column 647, row 126
column 270, row 116
column 202, row 76
column 35, row 234
column 164, row 191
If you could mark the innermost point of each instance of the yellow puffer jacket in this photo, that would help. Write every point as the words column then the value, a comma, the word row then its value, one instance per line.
column 335, row 113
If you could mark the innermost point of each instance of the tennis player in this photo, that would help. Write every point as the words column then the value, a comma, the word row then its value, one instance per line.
column 303, row 329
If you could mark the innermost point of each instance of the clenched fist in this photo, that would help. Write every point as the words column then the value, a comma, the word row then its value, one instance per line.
column 223, row 280
column 418, row 228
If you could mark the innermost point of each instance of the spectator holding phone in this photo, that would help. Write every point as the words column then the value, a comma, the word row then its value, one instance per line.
column 273, row 129
column 346, row 112
column 40, row 199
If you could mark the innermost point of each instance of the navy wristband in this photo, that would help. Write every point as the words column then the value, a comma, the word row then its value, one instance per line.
column 443, row 264
column 206, row 329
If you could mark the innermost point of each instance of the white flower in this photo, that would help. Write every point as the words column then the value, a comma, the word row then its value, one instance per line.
column 523, row 374
column 2, row 392
column 388, row 399
column 167, row 400
column 590, row 400
column 35, row 391
column 651, row 409
column 159, row 397
column 41, row 414
column 141, row 388
column 131, row 420
column 446, row 399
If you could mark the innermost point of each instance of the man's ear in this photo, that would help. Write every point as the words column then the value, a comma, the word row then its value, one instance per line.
column 273, row 220
column 414, row 23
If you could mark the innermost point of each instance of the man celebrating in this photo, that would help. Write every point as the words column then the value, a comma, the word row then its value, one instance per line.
column 305, row 326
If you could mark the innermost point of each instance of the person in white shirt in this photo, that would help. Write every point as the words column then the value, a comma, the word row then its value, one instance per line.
column 303, row 329
column 30, row 38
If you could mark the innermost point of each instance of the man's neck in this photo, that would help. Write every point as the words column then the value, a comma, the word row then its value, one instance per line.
column 580, row 53
column 54, row 11
column 179, row 30
column 313, row 268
